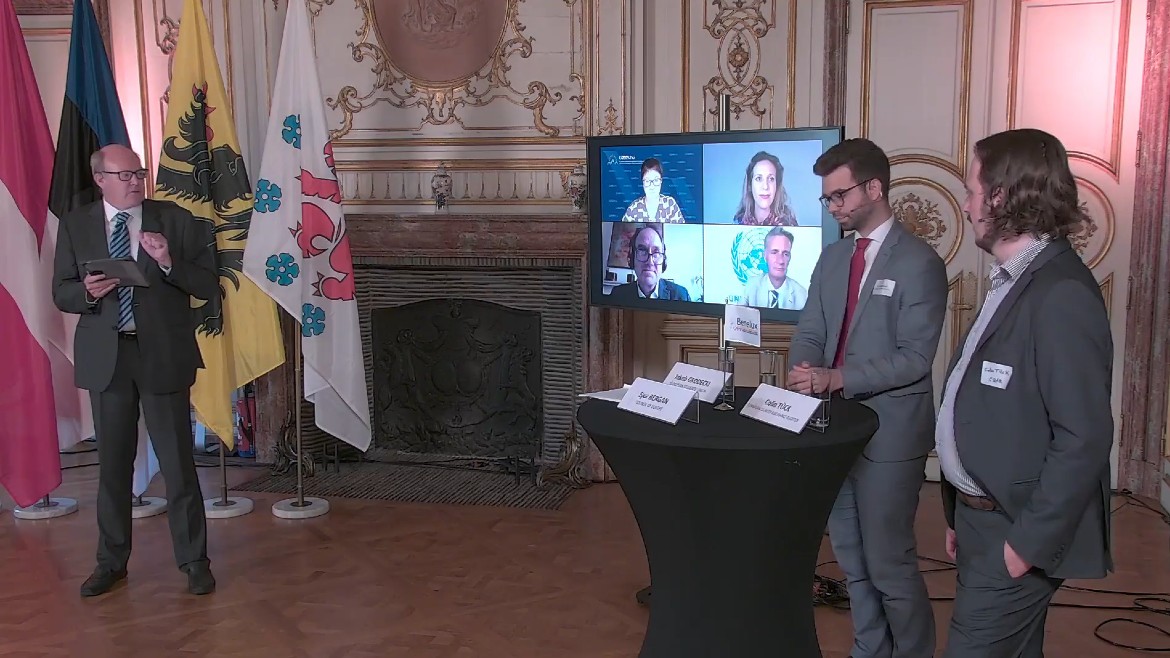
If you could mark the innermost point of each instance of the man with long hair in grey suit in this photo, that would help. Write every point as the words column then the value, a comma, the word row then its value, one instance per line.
column 869, row 332
column 1025, row 426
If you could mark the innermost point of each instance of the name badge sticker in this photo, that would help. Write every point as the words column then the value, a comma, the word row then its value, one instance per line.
column 995, row 374
column 656, row 400
column 883, row 287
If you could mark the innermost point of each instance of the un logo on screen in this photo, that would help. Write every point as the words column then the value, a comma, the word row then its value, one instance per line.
column 747, row 254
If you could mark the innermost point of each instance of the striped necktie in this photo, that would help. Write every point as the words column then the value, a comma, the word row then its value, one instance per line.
column 120, row 248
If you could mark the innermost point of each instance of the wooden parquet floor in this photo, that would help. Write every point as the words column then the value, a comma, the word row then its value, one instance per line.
column 385, row 579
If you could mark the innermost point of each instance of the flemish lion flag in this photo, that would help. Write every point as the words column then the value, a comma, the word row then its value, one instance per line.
column 201, row 169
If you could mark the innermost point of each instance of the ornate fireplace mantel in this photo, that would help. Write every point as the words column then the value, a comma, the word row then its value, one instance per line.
column 473, row 241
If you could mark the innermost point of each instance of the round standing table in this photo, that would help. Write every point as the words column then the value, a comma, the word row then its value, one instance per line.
column 732, row 512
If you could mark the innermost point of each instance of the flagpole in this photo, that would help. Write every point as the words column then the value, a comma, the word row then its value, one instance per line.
column 225, row 507
column 142, row 508
column 299, row 507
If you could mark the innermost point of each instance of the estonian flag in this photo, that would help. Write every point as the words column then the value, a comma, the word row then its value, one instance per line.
column 91, row 116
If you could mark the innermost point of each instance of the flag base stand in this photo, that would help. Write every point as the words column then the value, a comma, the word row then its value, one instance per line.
column 47, row 508
column 217, row 508
column 300, row 507
column 145, row 507
column 225, row 506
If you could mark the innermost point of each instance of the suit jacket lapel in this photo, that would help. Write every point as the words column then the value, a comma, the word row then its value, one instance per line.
column 1005, row 306
column 836, row 278
column 879, row 266
column 97, row 245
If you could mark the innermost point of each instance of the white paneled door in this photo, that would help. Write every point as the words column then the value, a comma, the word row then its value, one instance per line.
column 929, row 78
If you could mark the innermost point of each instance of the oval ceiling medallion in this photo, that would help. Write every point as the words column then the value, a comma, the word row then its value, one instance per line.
column 440, row 41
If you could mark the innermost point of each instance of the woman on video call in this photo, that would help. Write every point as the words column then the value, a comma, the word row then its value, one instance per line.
column 765, row 201
column 654, row 206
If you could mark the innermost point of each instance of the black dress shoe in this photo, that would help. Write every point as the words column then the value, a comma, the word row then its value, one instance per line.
column 199, row 580
column 101, row 581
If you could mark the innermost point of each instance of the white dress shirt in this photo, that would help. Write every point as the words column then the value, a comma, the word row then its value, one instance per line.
column 133, row 225
column 1003, row 277
column 878, row 236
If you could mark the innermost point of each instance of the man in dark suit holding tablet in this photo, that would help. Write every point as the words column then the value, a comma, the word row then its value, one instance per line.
column 136, row 345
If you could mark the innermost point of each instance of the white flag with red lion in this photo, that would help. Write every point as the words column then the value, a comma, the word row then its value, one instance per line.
column 298, row 250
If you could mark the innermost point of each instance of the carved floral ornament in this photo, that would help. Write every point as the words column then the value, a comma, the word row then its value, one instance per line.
column 739, row 25
column 438, row 57
column 921, row 217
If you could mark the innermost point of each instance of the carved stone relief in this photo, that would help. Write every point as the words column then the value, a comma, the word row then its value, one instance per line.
column 457, row 377
column 921, row 216
column 931, row 212
column 437, row 62
column 1095, row 237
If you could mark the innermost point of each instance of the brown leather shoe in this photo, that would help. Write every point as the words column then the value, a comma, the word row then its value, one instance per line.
column 101, row 581
column 199, row 580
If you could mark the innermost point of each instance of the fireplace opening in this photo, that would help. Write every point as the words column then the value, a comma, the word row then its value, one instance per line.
column 458, row 377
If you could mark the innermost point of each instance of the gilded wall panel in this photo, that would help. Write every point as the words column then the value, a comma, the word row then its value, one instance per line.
column 744, row 49
column 509, row 70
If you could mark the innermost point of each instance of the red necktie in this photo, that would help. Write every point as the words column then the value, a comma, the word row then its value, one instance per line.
column 856, row 269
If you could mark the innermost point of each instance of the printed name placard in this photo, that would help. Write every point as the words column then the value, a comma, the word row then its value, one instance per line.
column 741, row 324
column 705, row 382
column 656, row 400
column 780, row 407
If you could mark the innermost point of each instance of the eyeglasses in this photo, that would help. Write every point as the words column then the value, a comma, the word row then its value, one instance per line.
column 838, row 197
column 125, row 176
column 642, row 254
column 652, row 181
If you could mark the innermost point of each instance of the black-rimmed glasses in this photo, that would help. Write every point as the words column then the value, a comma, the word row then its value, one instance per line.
column 837, row 198
column 125, row 176
column 642, row 254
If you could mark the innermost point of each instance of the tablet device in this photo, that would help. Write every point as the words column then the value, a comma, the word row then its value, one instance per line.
column 123, row 269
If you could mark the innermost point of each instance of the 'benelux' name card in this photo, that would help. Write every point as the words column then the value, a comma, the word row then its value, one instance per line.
column 656, row 400
column 741, row 324
column 780, row 407
column 705, row 382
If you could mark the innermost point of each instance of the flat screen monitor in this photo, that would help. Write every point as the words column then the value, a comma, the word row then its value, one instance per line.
column 689, row 222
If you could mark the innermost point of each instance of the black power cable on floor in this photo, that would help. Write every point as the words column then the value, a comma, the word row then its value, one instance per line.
column 1154, row 603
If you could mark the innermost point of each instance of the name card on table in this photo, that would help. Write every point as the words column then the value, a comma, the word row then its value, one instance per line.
column 656, row 400
column 741, row 324
column 781, row 408
column 705, row 382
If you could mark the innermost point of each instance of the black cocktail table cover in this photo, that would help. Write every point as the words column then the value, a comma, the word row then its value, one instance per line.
column 732, row 512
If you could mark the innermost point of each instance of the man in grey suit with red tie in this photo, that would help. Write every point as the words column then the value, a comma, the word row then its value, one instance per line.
column 136, row 345
column 1025, row 427
column 869, row 332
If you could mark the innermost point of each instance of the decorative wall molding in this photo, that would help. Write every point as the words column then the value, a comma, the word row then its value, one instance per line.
column 933, row 214
column 101, row 9
column 962, row 291
column 955, row 161
column 1109, row 158
column 743, row 30
column 836, row 57
column 406, row 83
column 520, row 183
column 1147, row 343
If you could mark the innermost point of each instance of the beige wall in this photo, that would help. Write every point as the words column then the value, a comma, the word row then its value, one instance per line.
column 512, row 131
